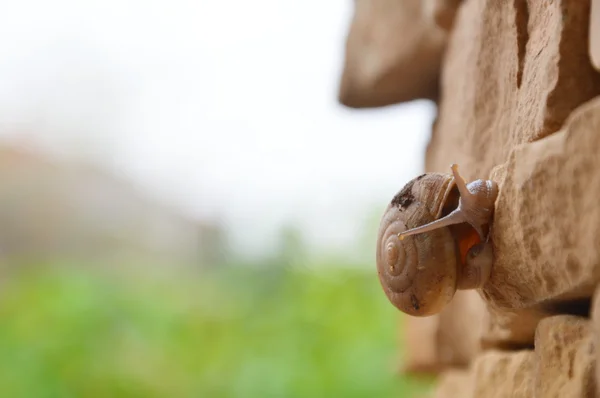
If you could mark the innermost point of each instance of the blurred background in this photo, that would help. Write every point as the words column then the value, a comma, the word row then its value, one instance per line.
column 185, row 208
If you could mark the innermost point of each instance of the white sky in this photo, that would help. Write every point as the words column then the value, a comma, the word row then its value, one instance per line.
column 226, row 108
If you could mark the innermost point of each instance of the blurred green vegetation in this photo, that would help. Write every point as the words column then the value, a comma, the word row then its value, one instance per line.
column 145, row 331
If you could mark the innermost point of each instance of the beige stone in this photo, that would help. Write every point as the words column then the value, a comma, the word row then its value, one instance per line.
column 454, row 384
column 513, row 72
column 493, row 374
column 564, row 353
column 545, row 263
column 546, row 232
column 498, row 374
column 595, row 330
column 393, row 51
column 419, row 347
column 460, row 329
column 432, row 343
column 510, row 329
column 520, row 104
column 562, row 365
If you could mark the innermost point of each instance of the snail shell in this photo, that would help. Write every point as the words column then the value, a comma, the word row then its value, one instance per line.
column 418, row 275
column 421, row 272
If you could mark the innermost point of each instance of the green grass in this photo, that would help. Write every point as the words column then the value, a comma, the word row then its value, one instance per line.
column 79, row 332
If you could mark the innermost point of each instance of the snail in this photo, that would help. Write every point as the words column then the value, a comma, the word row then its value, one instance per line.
column 434, row 239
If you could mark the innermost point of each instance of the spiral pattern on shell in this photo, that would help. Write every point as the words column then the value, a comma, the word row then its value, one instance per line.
column 419, row 273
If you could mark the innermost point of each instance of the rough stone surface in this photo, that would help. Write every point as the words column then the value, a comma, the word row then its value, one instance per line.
column 433, row 343
column 564, row 355
column 545, row 263
column 546, row 231
column 419, row 354
column 499, row 374
column 454, row 384
column 595, row 329
column 509, row 329
column 463, row 317
column 513, row 72
column 562, row 365
column 393, row 52
column 519, row 103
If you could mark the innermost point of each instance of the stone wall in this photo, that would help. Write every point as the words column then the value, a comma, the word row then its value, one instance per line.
column 518, row 102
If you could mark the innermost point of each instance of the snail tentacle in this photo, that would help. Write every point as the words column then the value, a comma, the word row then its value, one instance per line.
column 455, row 217
column 476, row 201
column 475, row 207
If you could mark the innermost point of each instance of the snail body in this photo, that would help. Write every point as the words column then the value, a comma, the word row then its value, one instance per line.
column 434, row 239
